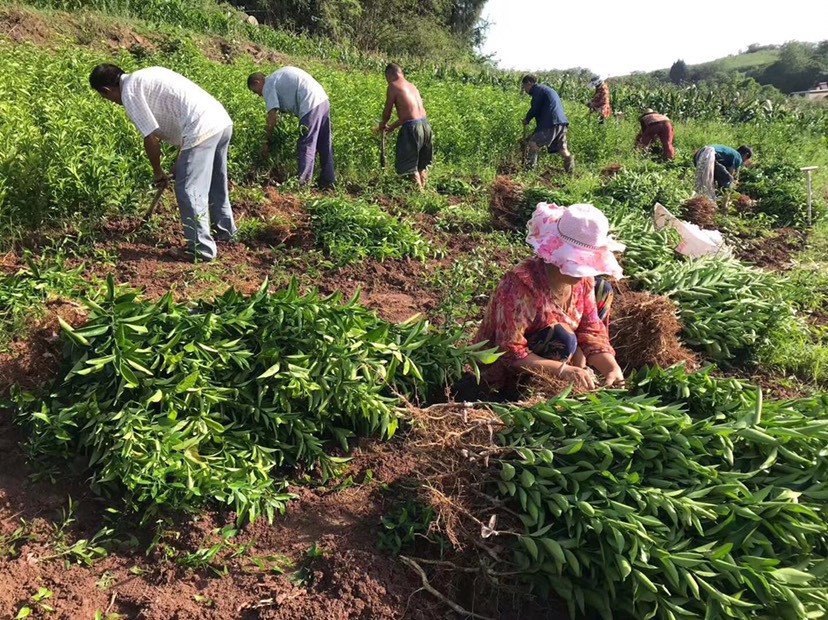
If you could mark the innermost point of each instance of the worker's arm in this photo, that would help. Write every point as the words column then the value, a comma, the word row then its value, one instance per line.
column 605, row 364
column 534, row 110
column 152, row 147
column 571, row 374
column 272, row 121
column 390, row 97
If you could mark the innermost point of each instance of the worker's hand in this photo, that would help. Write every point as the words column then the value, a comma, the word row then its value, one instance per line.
column 614, row 378
column 162, row 179
column 380, row 129
column 581, row 377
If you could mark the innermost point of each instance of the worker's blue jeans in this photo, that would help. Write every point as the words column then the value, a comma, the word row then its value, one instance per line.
column 201, row 191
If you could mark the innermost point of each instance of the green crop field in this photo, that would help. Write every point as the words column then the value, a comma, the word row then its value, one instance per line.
column 272, row 434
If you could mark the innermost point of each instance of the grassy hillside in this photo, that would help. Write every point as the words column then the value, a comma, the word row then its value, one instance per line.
column 749, row 62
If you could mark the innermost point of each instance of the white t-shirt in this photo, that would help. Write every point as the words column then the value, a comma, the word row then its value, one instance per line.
column 292, row 90
column 178, row 110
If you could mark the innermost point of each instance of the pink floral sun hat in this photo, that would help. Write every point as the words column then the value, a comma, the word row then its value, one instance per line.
column 575, row 239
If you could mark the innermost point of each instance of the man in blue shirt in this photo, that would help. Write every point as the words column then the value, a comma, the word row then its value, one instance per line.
column 551, row 123
column 728, row 162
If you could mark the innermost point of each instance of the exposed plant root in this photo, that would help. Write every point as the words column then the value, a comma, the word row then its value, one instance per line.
column 436, row 593
column 644, row 331
column 506, row 203
column 701, row 211
column 611, row 171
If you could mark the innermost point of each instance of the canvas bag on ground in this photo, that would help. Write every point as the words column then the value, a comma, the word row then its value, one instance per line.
column 695, row 242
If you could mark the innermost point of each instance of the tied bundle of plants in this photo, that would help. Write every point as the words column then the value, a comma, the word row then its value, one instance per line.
column 352, row 231
column 641, row 188
column 727, row 308
column 642, row 507
column 177, row 406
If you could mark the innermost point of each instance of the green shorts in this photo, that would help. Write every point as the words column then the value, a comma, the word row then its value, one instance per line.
column 414, row 148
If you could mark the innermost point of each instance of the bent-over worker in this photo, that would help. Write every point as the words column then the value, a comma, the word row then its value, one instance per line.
column 724, row 160
column 166, row 106
column 551, row 312
column 600, row 103
column 293, row 90
column 551, row 124
column 415, row 150
column 654, row 125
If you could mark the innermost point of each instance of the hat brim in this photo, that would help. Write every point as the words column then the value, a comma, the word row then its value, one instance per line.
column 572, row 260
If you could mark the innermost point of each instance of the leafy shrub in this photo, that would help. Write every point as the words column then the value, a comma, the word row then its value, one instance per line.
column 352, row 231
column 176, row 406
column 779, row 189
column 635, row 507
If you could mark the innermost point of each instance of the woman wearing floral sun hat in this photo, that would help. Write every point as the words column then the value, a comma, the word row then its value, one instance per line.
column 551, row 312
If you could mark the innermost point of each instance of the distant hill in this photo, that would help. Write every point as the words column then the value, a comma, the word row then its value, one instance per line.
column 747, row 62
column 790, row 67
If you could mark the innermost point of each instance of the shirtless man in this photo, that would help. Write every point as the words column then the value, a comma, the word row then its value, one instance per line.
column 414, row 149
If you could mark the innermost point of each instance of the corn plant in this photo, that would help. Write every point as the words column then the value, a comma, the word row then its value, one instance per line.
column 635, row 506
column 176, row 406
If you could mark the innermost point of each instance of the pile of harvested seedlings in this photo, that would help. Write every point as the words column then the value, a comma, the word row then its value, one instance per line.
column 701, row 211
column 506, row 205
column 645, row 330
column 621, row 503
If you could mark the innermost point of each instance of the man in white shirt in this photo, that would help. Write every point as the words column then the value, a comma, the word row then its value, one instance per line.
column 295, row 91
column 165, row 105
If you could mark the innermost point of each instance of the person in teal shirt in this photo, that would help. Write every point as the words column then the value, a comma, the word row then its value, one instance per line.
column 728, row 162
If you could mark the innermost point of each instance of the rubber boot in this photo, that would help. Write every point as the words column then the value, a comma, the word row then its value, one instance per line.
column 569, row 164
column 531, row 160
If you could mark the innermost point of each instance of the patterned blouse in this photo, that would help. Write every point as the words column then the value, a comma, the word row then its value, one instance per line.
column 523, row 305
column 601, row 101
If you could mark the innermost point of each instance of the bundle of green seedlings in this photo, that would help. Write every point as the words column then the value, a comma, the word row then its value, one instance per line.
column 643, row 187
column 352, row 231
column 689, row 498
column 175, row 405
column 726, row 307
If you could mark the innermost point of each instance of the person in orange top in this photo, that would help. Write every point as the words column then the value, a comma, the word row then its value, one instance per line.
column 551, row 312
column 654, row 125
column 601, row 101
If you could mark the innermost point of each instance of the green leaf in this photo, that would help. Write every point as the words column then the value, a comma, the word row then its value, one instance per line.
column 507, row 471
column 270, row 371
column 791, row 576
column 531, row 546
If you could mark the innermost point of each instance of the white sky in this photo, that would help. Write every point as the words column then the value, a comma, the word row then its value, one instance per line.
column 616, row 37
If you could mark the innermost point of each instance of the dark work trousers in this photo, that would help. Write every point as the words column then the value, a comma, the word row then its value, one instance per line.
column 316, row 138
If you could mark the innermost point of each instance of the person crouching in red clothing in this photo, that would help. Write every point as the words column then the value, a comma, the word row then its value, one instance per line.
column 654, row 125
column 551, row 312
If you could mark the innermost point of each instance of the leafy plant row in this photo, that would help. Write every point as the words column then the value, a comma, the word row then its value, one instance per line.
column 176, row 406
column 351, row 231
column 692, row 499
